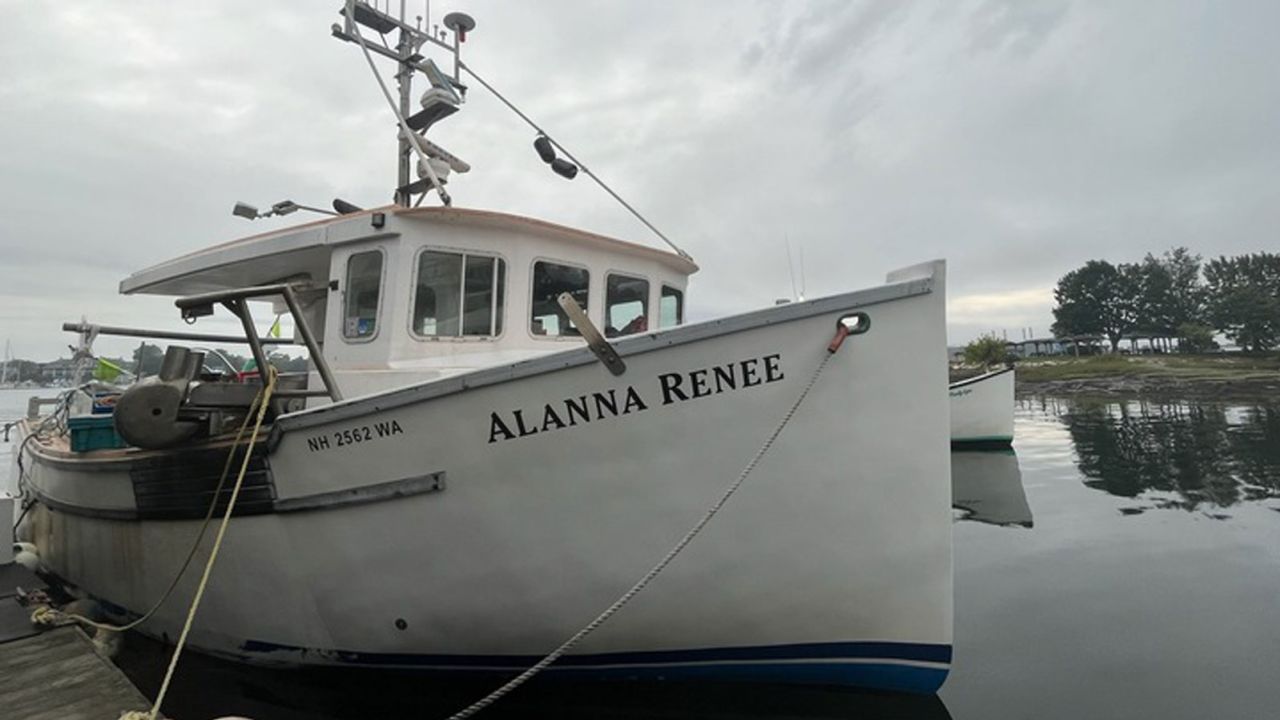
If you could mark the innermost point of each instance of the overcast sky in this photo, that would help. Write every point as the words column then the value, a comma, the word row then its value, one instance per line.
column 1015, row 138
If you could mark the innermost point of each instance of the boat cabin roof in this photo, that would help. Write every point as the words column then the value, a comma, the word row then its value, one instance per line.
column 397, row 296
column 303, row 251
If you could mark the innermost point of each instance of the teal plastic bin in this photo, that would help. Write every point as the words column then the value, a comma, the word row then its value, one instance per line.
column 94, row 432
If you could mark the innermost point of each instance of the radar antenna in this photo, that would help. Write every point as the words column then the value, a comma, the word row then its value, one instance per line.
column 442, row 99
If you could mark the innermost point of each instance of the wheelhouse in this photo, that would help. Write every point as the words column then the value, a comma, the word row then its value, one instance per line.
column 395, row 296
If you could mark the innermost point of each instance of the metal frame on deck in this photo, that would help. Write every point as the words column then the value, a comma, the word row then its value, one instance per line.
column 236, row 300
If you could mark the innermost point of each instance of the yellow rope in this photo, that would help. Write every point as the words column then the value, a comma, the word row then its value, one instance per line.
column 267, row 389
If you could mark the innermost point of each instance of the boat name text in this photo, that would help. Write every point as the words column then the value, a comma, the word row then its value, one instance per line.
column 673, row 387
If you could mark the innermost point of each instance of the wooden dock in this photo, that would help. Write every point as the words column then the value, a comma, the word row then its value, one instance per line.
column 54, row 674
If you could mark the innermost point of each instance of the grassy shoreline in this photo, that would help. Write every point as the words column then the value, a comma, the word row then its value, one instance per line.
column 1234, row 375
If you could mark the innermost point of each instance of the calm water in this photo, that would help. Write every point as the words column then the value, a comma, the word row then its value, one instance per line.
column 1124, row 562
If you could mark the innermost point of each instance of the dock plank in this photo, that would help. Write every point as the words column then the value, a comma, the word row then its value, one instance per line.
column 15, row 620
column 13, row 576
column 57, row 675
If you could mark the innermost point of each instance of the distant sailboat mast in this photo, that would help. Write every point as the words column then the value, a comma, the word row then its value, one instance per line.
column 4, row 369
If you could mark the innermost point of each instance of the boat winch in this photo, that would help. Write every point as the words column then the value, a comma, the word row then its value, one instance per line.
column 149, row 414
column 182, row 401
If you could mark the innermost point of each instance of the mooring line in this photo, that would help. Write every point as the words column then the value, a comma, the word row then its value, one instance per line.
column 648, row 577
column 45, row 615
column 154, row 713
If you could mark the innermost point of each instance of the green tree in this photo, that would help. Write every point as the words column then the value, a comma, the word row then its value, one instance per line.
column 146, row 360
column 1097, row 299
column 1196, row 337
column 1169, row 294
column 1244, row 299
column 1186, row 301
column 1154, row 301
column 25, row 371
column 288, row 363
column 987, row 350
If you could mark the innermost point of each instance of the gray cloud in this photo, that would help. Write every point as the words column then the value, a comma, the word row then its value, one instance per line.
column 1016, row 139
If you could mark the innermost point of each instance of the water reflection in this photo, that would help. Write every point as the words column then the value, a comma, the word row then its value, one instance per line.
column 1191, row 456
column 987, row 487
column 208, row 687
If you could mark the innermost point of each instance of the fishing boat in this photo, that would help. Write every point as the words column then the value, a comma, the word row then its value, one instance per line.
column 505, row 424
column 982, row 410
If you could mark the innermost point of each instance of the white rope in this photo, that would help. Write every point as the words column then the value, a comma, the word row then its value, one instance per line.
column 653, row 572
column 576, row 161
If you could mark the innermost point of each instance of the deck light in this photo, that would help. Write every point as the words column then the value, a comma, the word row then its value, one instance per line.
column 284, row 207
column 245, row 210
column 345, row 208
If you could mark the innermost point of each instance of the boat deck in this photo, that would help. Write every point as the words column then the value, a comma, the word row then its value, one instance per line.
column 55, row 674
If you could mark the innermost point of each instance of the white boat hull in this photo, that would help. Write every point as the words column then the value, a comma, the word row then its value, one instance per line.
column 982, row 409
column 413, row 529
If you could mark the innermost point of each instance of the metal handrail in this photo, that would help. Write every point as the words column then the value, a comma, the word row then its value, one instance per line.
column 83, row 327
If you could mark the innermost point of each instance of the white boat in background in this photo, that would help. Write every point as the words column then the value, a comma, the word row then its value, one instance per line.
column 987, row 486
column 982, row 409
column 469, row 474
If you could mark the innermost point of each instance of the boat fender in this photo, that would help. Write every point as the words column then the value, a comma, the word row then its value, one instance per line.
column 107, row 642
column 26, row 555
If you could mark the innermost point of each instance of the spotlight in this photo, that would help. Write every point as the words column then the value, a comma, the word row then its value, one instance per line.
column 345, row 208
column 284, row 207
column 245, row 210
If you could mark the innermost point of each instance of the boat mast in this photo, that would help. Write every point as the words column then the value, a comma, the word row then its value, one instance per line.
column 404, row 81
column 441, row 100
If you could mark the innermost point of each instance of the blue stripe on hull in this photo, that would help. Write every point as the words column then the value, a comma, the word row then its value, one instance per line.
column 873, row 676
column 876, row 665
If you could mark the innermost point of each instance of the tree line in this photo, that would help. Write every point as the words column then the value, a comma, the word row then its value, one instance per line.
column 146, row 361
column 147, row 358
column 1173, row 298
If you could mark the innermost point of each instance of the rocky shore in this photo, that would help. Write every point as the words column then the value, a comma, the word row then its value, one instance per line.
column 1217, row 376
column 1208, row 388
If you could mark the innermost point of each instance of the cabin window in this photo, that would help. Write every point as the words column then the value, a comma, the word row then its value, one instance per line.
column 626, row 305
column 458, row 294
column 549, row 280
column 670, row 307
column 364, row 282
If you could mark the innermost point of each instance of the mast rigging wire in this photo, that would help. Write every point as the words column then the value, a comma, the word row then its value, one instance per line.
column 576, row 161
